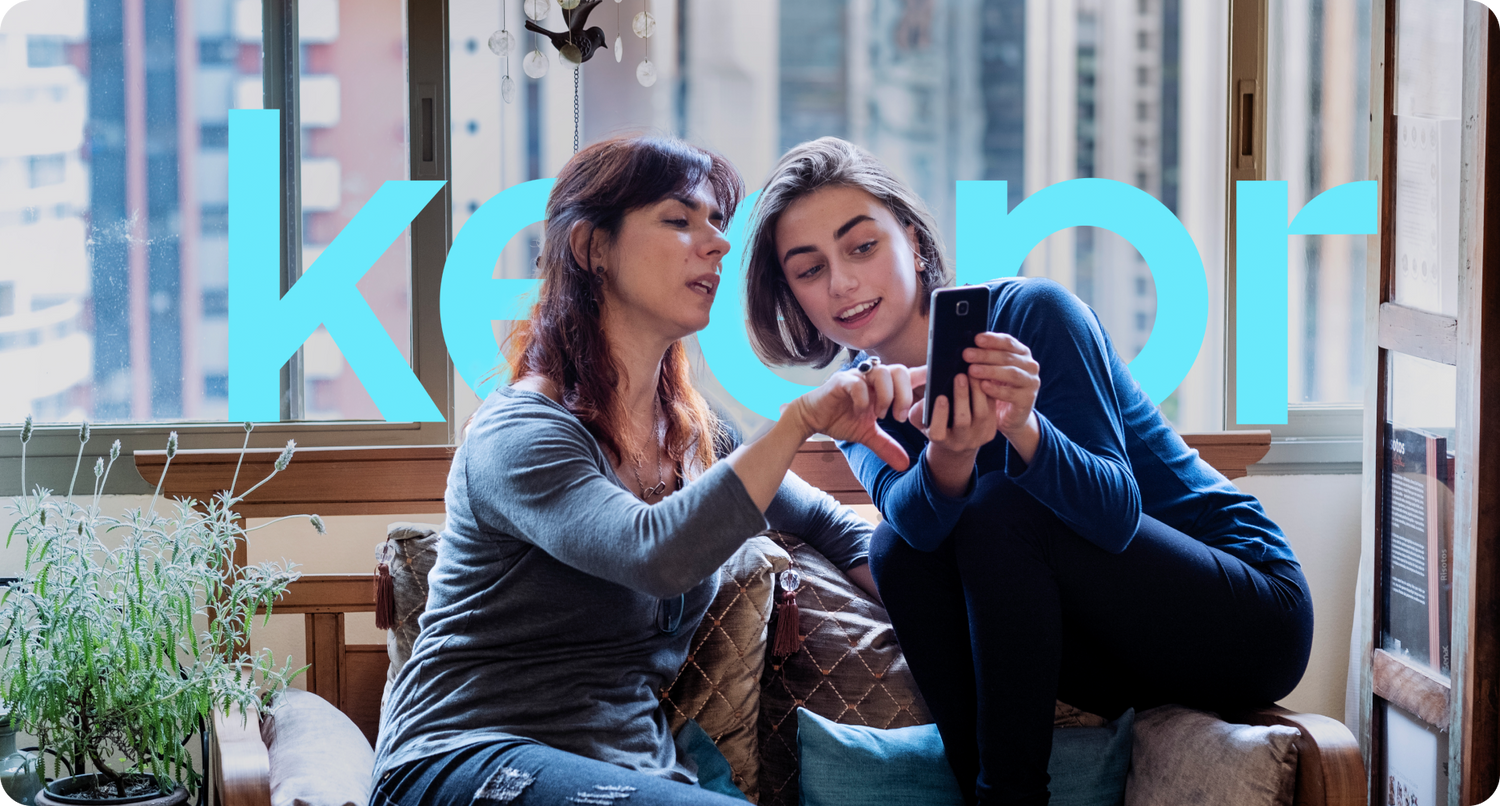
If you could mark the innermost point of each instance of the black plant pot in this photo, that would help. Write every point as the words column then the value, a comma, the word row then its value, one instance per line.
column 65, row 792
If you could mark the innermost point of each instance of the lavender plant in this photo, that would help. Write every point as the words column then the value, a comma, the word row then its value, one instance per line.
column 125, row 633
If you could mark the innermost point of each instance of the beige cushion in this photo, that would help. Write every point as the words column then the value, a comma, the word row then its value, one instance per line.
column 318, row 756
column 1193, row 758
column 719, row 685
column 415, row 545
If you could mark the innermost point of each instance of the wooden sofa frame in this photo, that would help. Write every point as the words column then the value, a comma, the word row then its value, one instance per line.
column 405, row 481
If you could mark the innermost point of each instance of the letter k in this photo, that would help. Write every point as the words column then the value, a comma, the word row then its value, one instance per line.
column 265, row 328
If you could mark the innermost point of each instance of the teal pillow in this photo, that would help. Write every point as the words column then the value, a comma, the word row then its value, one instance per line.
column 713, row 769
column 852, row 765
column 1089, row 765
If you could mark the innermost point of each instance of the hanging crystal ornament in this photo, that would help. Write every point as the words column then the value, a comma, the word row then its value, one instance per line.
column 502, row 42
column 643, row 24
column 538, row 9
column 619, row 43
column 535, row 63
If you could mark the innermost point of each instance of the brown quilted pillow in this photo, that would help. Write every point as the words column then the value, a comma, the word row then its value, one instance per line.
column 719, row 685
column 415, row 546
column 849, row 670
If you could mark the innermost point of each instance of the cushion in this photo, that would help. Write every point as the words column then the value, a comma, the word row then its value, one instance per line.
column 713, row 769
column 318, row 756
column 415, row 547
column 845, row 765
column 1089, row 766
column 718, row 688
column 1184, row 756
column 849, row 670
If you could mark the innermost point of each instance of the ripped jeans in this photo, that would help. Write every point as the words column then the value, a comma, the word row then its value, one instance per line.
column 524, row 774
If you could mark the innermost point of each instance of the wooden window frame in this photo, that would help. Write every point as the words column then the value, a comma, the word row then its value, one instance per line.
column 1317, row 438
column 1465, row 702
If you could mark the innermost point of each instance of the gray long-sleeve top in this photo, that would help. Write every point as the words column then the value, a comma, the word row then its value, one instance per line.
column 552, row 586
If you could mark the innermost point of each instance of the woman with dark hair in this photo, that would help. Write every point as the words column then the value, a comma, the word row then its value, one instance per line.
column 1058, row 540
column 588, row 510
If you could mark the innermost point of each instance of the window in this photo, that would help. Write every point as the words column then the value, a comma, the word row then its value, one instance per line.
column 940, row 91
column 1317, row 136
column 114, row 212
column 127, row 324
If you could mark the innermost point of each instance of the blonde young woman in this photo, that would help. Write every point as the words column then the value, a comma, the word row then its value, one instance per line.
column 1059, row 540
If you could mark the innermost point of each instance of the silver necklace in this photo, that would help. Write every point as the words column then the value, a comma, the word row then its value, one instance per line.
column 661, row 484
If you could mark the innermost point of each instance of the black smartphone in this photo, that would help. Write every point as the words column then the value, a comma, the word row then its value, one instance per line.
column 955, row 317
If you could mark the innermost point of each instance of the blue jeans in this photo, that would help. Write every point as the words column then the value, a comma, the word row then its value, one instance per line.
column 520, row 773
column 1006, row 617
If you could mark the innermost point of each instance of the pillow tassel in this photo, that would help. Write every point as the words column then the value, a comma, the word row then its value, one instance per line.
column 385, row 598
column 788, row 621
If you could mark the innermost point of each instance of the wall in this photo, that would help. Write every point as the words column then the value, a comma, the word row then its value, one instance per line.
column 1320, row 515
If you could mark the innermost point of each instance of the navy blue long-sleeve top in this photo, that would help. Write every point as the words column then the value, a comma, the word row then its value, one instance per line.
column 1106, row 455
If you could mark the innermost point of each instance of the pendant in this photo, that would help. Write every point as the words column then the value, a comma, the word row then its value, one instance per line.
column 661, row 487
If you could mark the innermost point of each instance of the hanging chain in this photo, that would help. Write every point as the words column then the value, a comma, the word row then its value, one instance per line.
column 576, row 71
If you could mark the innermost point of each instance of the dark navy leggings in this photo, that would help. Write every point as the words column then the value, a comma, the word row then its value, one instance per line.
column 510, row 773
column 1011, row 614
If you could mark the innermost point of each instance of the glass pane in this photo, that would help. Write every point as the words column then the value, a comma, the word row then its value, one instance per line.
column 940, row 91
column 498, row 116
column 353, row 112
column 1417, row 525
column 1416, row 761
column 1429, row 76
column 1318, row 137
column 113, row 213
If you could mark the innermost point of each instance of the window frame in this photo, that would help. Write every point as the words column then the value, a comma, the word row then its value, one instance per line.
column 1317, row 439
column 53, row 448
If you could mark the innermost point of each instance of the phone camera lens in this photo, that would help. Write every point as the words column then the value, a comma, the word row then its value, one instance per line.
column 963, row 307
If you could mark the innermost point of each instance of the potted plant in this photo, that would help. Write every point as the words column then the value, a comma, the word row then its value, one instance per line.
column 124, row 633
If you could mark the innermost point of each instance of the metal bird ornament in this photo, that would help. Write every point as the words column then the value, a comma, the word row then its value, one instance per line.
column 575, row 44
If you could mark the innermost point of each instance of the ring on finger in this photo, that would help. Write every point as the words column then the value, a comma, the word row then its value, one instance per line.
column 868, row 364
